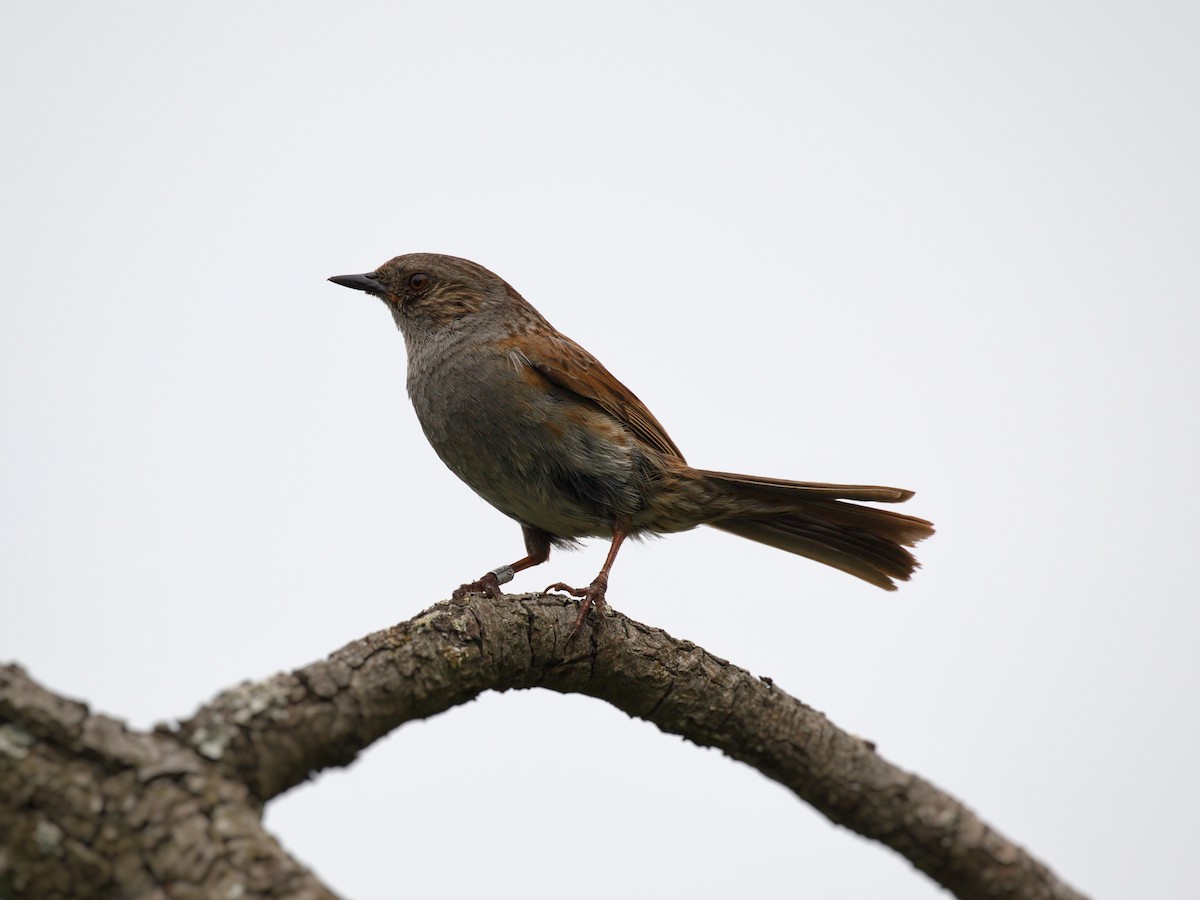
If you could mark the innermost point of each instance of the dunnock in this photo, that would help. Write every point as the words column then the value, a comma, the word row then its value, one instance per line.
column 543, row 432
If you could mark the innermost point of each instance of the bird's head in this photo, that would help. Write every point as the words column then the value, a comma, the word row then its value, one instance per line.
column 429, row 293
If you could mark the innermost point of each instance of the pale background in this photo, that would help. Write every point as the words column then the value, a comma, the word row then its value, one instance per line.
column 946, row 246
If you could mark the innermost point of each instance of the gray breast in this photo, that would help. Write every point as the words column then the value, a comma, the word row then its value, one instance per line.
column 535, row 455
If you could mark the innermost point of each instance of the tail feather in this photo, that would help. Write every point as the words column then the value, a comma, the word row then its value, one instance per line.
column 813, row 520
column 778, row 488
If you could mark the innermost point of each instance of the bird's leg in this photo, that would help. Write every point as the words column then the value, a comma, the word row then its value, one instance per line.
column 593, row 594
column 537, row 547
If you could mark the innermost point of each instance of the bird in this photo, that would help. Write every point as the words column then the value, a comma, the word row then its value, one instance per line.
column 541, row 430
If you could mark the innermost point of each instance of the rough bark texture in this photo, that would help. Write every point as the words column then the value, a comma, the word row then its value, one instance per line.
column 89, row 808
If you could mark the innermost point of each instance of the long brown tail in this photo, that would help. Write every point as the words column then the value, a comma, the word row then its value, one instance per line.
column 813, row 520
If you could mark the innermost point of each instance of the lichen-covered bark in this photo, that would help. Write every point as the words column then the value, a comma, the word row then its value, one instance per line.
column 262, row 738
column 89, row 808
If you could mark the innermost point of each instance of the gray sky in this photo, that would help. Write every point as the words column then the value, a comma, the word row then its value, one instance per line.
column 946, row 246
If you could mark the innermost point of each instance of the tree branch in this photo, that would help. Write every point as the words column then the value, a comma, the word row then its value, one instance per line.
column 90, row 808
column 273, row 734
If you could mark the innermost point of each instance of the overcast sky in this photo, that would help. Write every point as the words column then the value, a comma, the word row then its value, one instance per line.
column 950, row 247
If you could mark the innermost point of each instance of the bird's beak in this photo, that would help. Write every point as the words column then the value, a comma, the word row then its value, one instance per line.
column 360, row 283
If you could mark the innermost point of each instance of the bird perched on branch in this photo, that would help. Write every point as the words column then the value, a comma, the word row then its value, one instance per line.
column 535, row 425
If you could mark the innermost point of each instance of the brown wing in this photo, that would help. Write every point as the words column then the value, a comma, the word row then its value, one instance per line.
column 563, row 362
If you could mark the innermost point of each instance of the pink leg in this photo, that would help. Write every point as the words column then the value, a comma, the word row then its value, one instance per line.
column 593, row 594
column 537, row 545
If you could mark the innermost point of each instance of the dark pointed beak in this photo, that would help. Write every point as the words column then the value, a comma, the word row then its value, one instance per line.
column 360, row 283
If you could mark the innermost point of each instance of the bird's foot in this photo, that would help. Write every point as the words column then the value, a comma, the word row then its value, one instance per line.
column 593, row 596
column 488, row 585
column 566, row 588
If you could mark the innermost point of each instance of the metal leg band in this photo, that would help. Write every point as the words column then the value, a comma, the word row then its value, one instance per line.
column 504, row 574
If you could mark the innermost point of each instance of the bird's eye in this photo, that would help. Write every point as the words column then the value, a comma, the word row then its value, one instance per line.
column 418, row 280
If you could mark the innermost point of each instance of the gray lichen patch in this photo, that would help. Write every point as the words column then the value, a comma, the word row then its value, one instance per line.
column 15, row 742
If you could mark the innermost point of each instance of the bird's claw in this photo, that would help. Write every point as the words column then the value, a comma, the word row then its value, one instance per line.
column 593, row 596
column 560, row 586
column 488, row 585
